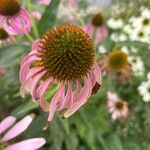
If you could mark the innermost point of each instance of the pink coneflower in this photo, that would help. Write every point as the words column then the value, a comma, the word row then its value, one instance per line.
column 44, row 2
column 116, row 62
column 65, row 57
column 15, row 19
column 117, row 107
column 17, row 129
column 2, row 71
column 96, row 28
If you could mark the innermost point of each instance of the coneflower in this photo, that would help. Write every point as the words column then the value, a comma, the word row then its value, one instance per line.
column 64, row 56
column 117, row 107
column 117, row 62
column 14, row 18
column 96, row 28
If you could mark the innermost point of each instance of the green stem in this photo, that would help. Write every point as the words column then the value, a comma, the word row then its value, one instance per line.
column 35, row 30
column 29, row 37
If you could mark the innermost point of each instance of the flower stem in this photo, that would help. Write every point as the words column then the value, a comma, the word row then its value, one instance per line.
column 35, row 30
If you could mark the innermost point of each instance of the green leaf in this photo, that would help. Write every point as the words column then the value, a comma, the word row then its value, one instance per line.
column 49, row 18
column 24, row 108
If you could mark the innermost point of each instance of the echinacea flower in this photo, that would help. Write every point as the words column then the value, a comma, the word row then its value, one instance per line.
column 44, row 2
column 96, row 28
column 117, row 107
column 14, row 18
column 2, row 71
column 64, row 56
column 116, row 61
column 17, row 129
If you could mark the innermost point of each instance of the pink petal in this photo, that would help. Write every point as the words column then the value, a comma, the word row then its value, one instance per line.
column 27, row 82
column 68, row 98
column 18, row 128
column 6, row 123
column 82, row 98
column 56, row 102
column 97, row 72
column 30, row 144
column 41, row 92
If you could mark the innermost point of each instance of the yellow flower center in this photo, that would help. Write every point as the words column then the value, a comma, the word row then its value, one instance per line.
column 9, row 7
column 118, row 60
column 67, row 53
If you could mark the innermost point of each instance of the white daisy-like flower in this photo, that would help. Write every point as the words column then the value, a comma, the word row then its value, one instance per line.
column 144, row 91
column 137, row 65
column 102, row 49
column 115, row 23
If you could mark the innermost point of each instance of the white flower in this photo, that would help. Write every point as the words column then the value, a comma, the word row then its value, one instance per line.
column 137, row 65
column 102, row 49
column 144, row 91
column 115, row 23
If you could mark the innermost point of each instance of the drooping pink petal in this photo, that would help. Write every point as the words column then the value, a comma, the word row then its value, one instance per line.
column 33, row 86
column 30, row 144
column 68, row 98
column 97, row 72
column 56, row 102
column 82, row 98
column 6, row 123
column 41, row 92
column 26, row 83
column 18, row 128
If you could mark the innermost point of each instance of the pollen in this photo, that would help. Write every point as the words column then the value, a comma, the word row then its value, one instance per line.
column 67, row 53
column 98, row 20
column 3, row 34
column 118, row 60
column 9, row 7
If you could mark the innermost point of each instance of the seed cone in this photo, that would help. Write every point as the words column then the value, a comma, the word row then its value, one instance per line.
column 67, row 53
column 9, row 7
column 98, row 20
column 3, row 34
column 118, row 60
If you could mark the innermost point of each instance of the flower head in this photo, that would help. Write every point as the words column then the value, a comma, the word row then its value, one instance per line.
column 16, row 130
column 14, row 18
column 117, row 107
column 116, row 61
column 96, row 26
column 64, row 56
